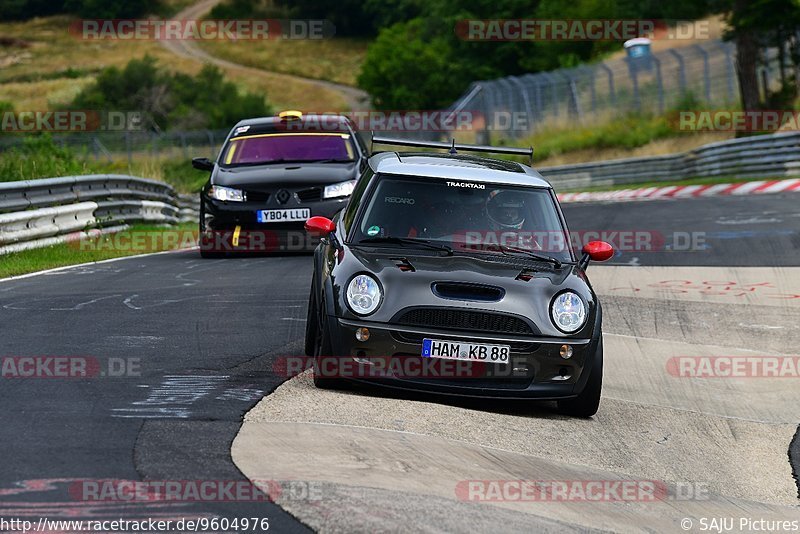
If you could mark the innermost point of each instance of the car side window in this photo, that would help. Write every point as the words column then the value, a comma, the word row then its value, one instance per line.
column 355, row 199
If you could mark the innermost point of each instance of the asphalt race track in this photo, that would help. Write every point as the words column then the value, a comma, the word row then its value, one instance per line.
column 198, row 341
column 177, row 316
column 755, row 230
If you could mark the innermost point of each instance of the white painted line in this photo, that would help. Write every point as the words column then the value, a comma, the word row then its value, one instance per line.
column 111, row 260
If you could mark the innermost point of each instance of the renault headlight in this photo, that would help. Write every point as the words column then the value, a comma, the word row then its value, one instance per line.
column 226, row 193
column 364, row 295
column 568, row 312
column 342, row 189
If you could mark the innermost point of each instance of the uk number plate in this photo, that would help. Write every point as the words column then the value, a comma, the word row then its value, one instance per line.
column 270, row 216
column 457, row 350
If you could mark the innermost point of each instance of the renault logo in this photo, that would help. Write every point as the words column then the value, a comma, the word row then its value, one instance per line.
column 283, row 196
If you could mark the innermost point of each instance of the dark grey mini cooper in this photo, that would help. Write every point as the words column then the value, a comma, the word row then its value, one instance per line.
column 455, row 274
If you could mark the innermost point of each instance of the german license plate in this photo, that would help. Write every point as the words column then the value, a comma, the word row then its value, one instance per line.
column 458, row 350
column 288, row 215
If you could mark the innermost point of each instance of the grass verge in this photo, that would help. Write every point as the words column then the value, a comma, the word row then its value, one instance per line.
column 40, row 157
column 338, row 60
column 94, row 249
column 33, row 76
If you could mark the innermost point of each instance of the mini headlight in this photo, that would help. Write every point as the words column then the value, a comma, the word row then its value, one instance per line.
column 342, row 189
column 226, row 193
column 364, row 294
column 568, row 312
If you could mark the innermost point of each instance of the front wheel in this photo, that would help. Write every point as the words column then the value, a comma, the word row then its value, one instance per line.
column 588, row 401
column 206, row 248
column 312, row 323
column 323, row 350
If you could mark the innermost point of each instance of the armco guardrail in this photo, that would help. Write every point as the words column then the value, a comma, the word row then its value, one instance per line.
column 38, row 213
column 763, row 156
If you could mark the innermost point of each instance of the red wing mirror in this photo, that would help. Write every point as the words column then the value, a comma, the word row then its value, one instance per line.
column 598, row 250
column 321, row 226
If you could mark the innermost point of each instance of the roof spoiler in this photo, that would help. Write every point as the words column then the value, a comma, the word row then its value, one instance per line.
column 454, row 147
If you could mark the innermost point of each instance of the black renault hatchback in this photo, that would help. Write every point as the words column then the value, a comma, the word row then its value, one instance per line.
column 455, row 274
column 271, row 175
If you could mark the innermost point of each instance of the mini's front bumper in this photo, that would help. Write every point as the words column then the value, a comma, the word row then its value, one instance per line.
column 391, row 357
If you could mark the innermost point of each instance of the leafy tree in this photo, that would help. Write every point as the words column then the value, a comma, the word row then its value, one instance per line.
column 112, row 9
column 24, row 9
column 406, row 68
column 755, row 25
column 96, row 9
column 171, row 100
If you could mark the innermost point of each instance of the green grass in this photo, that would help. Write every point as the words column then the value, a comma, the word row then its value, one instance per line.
column 629, row 132
column 39, row 157
column 182, row 176
column 98, row 249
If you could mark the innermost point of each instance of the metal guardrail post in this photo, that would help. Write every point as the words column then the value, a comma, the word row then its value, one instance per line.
column 211, row 143
column 591, row 77
column 553, row 81
column 660, row 84
column 526, row 104
column 611, row 90
column 634, row 75
column 706, row 70
column 730, row 70
column 681, row 69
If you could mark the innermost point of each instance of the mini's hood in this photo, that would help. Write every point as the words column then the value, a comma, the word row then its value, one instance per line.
column 285, row 174
column 529, row 296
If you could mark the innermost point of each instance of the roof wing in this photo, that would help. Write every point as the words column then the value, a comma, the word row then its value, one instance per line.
column 453, row 146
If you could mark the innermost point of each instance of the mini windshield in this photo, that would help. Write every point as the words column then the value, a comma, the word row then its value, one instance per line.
column 295, row 147
column 464, row 215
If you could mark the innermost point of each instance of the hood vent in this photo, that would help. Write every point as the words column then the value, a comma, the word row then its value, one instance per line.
column 526, row 275
column 466, row 291
column 404, row 265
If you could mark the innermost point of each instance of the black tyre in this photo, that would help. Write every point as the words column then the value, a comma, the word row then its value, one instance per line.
column 206, row 249
column 210, row 255
column 312, row 326
column 588, row 401
column 323, row 350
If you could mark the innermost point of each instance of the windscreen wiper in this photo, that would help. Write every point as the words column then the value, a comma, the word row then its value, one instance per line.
column 407, row 241
column 506, row 249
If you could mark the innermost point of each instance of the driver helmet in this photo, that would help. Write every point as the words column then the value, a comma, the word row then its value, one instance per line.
column 505, row 210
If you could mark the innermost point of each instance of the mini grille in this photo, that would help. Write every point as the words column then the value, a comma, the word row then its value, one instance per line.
column 465, row 320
